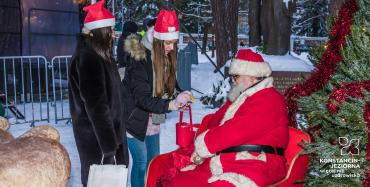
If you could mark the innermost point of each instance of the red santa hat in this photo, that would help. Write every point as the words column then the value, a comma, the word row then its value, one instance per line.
column 167, row 26
column 248, row 62
column 98, row 16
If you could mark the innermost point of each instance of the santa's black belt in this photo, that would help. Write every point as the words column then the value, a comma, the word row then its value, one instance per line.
column 254, row 148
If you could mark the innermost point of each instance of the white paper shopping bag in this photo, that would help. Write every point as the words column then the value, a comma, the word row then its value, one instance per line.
column 107, row 175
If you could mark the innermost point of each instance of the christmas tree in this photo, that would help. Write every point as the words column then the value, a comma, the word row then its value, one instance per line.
column 335, row 102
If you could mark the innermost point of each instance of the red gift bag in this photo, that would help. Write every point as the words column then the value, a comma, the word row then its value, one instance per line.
column 185, row 132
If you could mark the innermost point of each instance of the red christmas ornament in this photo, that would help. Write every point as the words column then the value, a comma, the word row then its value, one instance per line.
column 333, row 108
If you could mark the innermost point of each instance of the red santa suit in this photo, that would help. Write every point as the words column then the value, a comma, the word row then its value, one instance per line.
column 259, row 117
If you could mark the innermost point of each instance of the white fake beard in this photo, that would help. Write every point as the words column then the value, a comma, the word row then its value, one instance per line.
column 236, row 91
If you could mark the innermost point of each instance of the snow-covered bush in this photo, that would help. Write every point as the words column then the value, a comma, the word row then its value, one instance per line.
column 216, row 96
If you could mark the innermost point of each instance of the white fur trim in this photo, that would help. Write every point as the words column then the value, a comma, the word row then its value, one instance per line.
column 256, row 69
column 236, row 179
column 215, row 165
column 188, row 168
column 230, row 112
column 133, row 46
column 245, row 155
column 100, row 23
column 166, row 35
column 201, row 147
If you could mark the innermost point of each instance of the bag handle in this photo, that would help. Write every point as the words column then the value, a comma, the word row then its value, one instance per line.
column 102, row 158
column 190, row 116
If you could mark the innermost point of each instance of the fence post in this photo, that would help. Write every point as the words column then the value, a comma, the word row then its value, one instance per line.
column 181, row 38
column 184, row 69
column 194, row 53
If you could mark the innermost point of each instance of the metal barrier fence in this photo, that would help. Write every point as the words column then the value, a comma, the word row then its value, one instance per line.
column 32, row 89
column 24, row 87
column 59, row 69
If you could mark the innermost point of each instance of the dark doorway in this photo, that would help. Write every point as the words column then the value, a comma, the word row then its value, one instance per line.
column 10, row 28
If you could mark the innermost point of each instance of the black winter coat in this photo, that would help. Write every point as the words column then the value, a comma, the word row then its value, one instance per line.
column 138, row 82
column 95, row 97
column 122, row 56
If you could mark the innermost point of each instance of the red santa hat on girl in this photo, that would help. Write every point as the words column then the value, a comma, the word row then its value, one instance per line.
column 98, row 16
column 167, row 26
column 248, row 62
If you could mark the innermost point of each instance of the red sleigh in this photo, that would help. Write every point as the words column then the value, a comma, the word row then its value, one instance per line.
column 297, row 164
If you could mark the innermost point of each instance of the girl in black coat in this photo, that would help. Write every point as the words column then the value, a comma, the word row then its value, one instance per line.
column 150, row 81
column 95, row 97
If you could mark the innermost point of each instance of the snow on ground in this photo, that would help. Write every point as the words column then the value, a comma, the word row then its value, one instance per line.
column 288, row 63
column 202, row 80
column 303, row 56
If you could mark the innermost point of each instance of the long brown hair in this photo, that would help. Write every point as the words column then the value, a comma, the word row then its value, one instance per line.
column 165, row 81
column 102, row 42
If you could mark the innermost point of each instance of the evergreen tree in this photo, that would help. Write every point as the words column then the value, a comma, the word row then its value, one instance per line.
column 146, row 8
column 310, row 18
column 195, row 14
column 327, row 121
column 133, row 10
column 116, row 7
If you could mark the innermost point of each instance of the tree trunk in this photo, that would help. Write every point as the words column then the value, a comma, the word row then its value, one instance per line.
column 276, row 26
column 254, row 23
column 213, row 46
column 225, row 19
column 205, row 37
column 232, row 10
column 334, row 6
column 219, row 30
column 266, row 20
column 316, row 26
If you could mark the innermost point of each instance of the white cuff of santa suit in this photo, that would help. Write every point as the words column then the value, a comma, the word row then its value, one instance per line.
column 200, row 146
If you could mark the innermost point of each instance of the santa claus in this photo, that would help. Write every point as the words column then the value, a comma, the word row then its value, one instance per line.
column 245, row 140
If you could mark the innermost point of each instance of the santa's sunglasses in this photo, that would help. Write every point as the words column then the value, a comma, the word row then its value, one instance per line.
column 234, row 77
